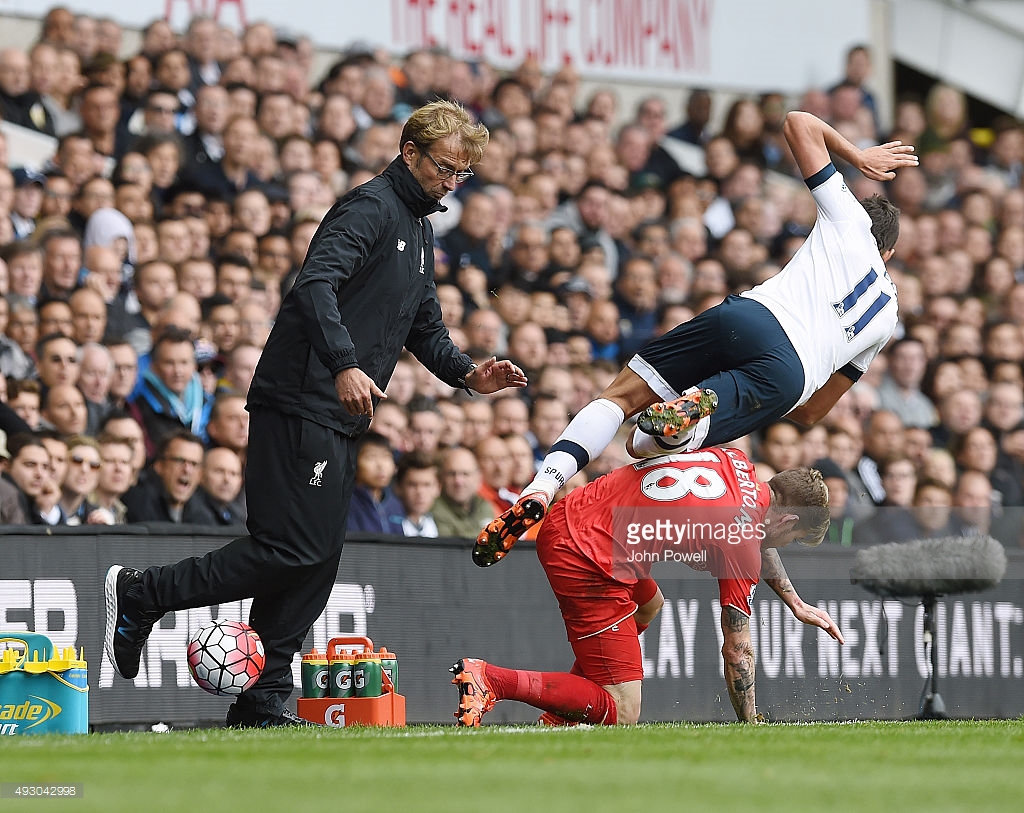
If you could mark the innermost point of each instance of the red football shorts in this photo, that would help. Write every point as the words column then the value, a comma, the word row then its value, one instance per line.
column 597, row 609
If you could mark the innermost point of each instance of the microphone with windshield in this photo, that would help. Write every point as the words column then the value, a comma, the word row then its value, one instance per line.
column 930, row 567
column 925, row 569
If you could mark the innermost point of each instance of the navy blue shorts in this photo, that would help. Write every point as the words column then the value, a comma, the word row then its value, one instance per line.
column 739, row 350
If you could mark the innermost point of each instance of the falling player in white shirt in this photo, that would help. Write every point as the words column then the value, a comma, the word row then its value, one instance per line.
column 789, row 347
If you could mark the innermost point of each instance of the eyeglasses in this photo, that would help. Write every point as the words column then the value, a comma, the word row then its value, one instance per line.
column 444, row 173
column 80, row 461
column 183, row 461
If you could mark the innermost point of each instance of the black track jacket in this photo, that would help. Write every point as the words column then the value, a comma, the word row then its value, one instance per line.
column 366, row 289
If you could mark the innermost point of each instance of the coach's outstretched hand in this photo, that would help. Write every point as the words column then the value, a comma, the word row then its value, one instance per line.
column 494, row 375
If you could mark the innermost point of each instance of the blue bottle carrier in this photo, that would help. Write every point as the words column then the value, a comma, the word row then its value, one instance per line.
column 41, row 692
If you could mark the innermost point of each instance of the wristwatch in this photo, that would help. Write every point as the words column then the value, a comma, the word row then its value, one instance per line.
column 465, row 375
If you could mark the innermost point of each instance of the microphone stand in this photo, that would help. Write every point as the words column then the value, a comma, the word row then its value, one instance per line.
column 932, row 706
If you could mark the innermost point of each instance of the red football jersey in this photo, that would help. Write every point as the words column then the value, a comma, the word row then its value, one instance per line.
column 703, row 509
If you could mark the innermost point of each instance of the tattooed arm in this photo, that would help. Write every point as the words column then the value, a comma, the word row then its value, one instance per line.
column 774, row 575
column 738, row 654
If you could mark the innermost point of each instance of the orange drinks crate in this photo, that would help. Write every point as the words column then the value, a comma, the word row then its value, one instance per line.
column 339, row 712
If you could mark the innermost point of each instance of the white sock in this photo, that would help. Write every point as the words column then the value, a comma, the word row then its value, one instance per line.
column 588, row 434
column 693, row 438
column 645, row 445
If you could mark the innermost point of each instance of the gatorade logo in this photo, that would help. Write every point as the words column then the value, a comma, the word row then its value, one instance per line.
column 335, row 715
column 321, row 680
column 32, row 713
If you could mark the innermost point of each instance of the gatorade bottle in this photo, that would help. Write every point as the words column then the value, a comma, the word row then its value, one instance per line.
column 366, row 674
column 339, row 667
column 389, row 665
column 314, row 674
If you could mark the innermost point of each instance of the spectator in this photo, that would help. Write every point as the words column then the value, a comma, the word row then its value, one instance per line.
column 511, row 415
column 780, row 447
column 58, row 360
column 883, row 438
column 228, row 426
column 932, row 502
column 895, row 520
column 27, row 202
column 392, row 421
column 841, row 524
column 62, row 261
column 637, row 299
column 418, row 488
column 900, row 390
column 115, row 476
column 375, row 509
column 241, row 366
column 80, row 482
column 694, row 130
column 14, row 362
column 11, row 509
column 233, row 173
column 170, row 396
column 64, row 409
column 976, row 450
column 125, row 372
column 94, row 379
column 133, row 316
column 221, row 318
column 121, row 424
column 426, row 425
column 25, row 270
column 221, row 486
column 479, row 421
column 460, row 511
column 523, row 466
column 958, row 412
column 54, row 317
column 548, row 418
column 23, row 397
column 973, row 504
column 29, row 471
column 19, row 104
column 495, row 461
column 169, row 494
column 88, row 316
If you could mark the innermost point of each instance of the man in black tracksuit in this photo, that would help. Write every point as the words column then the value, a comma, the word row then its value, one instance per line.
column 365, row 291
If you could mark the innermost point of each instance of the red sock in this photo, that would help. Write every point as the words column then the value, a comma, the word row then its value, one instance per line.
column 570, row 696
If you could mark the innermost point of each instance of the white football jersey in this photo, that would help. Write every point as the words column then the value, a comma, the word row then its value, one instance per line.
column 834, row 299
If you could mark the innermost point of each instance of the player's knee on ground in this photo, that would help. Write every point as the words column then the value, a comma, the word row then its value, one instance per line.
column 627, row 701
column 649, row 611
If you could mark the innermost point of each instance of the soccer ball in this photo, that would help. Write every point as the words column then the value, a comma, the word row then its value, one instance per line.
column 225, row 657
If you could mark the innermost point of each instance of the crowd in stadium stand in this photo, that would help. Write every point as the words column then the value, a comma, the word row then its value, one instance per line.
column 141, row 270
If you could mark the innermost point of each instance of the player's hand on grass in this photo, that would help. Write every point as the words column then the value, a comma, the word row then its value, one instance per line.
column 817, row 617
column 878, row 163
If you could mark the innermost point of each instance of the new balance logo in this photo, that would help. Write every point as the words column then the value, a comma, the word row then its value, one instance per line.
column 318, row 473
column 401, row 245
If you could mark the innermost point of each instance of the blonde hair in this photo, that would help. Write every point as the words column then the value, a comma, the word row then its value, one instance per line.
column 803, row 492
column 438, row 120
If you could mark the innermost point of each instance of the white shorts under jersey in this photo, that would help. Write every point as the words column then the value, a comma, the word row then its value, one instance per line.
column 834, row 299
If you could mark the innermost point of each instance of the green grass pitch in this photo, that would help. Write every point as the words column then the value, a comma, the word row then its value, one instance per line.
column 889, row 766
